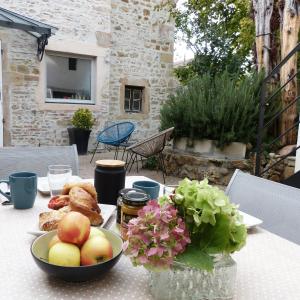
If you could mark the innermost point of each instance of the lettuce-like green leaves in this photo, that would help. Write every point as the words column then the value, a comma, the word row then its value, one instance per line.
column 214, row 223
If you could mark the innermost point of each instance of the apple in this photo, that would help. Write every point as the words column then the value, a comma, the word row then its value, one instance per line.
column 74, row 228
column 95, row 231
column 53, row 241
column 95, row 250
column 64, row 254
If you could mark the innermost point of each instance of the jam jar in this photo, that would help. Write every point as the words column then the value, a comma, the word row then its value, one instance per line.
column 120, row 201
column 132, row 202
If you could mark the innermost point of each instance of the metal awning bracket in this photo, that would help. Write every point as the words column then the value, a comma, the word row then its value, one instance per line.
column 40, row 30
column 42, row 42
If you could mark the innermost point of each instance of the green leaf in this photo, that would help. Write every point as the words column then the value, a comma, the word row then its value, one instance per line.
column 196, row 258
column 216, row 238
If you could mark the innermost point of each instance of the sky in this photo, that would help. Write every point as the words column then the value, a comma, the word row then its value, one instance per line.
column 181, row 51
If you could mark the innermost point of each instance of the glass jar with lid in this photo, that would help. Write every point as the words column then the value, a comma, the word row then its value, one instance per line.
column 120, row 201
column 132, row 201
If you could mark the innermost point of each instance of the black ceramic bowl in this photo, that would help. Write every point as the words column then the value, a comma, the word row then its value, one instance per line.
column 39, row 251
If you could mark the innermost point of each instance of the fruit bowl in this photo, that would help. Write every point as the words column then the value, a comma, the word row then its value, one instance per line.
column 39, row 251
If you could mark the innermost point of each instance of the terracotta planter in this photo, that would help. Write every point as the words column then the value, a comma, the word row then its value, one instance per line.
column 180, row 143
column 234, row 150
column 208, row 147
column 203, row 146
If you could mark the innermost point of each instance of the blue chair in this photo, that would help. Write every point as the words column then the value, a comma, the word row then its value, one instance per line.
column 116, row 135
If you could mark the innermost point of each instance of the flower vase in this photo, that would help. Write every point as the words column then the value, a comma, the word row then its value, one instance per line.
column 184, row 282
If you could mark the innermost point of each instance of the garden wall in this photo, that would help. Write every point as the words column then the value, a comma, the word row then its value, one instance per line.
column 217, row 170
column 220, row 170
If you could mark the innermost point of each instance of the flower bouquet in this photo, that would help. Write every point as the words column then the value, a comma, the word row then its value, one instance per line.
column 185, row 240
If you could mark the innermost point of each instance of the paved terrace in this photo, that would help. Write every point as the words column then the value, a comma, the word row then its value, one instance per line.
column 87, row 168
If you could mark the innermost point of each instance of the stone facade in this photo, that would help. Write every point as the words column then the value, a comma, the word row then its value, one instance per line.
column 141, row 54
column 133, row 45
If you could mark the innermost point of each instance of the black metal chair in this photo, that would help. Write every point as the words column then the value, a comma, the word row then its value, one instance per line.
column 152, row 146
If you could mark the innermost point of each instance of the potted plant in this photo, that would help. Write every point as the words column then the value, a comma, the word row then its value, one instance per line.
column 82, row 121
column 211, row 113
column 185, row 240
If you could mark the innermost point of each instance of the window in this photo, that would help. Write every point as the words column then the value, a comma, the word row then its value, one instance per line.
column 69, row 79
column 133, row 98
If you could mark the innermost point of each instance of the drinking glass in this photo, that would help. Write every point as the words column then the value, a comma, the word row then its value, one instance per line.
column 58, row 176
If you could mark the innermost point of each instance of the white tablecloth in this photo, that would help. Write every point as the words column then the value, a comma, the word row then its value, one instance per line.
column 268, row 266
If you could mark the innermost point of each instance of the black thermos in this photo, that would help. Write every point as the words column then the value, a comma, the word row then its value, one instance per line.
column 109, row 180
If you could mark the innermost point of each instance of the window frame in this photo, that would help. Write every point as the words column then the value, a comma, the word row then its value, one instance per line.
column 92, row 101
column 132, row 100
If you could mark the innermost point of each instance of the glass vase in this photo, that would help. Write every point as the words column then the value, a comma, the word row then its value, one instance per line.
column 183, row 282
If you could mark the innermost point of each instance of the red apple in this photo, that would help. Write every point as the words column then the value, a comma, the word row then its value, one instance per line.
column 95, row 250
column 74, row 228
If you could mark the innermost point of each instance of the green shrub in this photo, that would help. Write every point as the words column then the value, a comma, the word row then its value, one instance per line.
column 224, row 108
column 83, row 118
column 151, row 163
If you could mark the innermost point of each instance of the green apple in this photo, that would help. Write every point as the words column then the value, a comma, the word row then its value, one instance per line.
column 64, row 254
column 95, row 231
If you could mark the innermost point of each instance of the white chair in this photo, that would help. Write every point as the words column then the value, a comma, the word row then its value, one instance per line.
column 37, row 159
column 278, row 205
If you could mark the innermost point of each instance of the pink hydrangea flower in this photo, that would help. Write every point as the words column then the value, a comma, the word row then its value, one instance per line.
column 156, row 236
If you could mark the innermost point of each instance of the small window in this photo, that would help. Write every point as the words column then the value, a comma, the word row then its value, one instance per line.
column 69, row 79
column 133, row 98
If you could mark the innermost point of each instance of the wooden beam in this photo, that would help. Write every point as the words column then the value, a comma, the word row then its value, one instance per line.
column 290, row 24
column 263, row 10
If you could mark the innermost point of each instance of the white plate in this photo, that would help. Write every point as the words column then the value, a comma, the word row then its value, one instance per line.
column 43, row 185
column 250, row 221
column 107, row 211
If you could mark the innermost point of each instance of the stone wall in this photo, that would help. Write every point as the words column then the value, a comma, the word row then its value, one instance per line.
column 281, row 170
column 141, row 54
column 137, row 46
column 217, row 170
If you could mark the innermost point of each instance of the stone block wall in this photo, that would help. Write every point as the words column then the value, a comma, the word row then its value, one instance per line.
column 138, row 46
column 220, row 170
column 142, row 50
column 282, row 170
column 217, row 170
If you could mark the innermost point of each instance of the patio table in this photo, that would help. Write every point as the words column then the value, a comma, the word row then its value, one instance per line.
column 268, row 266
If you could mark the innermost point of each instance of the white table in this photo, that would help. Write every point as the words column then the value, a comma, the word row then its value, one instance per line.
column 268, row 266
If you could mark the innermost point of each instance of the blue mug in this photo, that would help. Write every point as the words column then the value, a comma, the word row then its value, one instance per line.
column 23, row 189
column 150, row 187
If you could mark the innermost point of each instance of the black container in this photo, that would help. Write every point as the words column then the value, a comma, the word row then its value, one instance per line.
column 109, row 180
column 80, row 137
